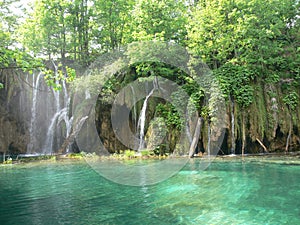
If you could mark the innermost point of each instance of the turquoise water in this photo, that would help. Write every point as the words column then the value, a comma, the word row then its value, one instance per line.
column 231, row 192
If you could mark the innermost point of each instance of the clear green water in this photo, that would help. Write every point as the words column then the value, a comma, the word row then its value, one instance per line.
column 231, row 192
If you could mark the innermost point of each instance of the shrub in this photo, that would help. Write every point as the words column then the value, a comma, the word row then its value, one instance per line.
column 129, row 153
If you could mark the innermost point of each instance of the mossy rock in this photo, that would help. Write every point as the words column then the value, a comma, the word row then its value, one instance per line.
column 8, row 161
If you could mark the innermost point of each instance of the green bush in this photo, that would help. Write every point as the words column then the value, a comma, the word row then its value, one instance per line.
column 129, row 153
column 147, row 152
column 8, row 161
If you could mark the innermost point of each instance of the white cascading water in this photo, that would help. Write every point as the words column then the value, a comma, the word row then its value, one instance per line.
column 32, row 127
column 61, row 115
column 48, row 146
column 142, row 118
column 232, row 127
column 208, row 138
column 187, row 129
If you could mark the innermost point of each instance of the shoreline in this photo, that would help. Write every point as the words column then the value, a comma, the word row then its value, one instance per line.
column 290, row 158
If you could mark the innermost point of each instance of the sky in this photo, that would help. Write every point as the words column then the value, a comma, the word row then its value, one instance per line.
column 20, row 3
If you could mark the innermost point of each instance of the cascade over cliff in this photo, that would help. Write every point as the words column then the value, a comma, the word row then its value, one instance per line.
column 267, row 120
column 267, row 124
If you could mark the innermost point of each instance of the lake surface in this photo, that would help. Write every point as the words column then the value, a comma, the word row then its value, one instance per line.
column 227, row 192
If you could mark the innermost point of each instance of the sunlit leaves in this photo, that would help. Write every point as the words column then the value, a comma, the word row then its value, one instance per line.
column 243, row 41
column 111, row 25
column 160, row 20
column 55, row 78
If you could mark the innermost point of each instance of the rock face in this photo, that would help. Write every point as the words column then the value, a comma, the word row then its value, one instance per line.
column 14, row 114
column 32, row 115
column 267, row 120
column 105, row 130
column 266, row 124
column 13, row 139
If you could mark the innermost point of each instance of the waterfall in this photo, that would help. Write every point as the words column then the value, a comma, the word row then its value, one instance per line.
column 87, row 94
column 142, row 118
column 50, row 120
column 232, row 127
column 187, row 128
column 32, row 127
column 208, row 138
column 48, row 146
column 61, row 114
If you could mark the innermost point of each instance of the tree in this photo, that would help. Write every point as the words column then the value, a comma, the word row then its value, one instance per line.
column 244, row 42
column 6, row 24
column 44, row 31
column 11, row 55
column 162, row 20
column 78, row 21
column 58, row 29
column 111, row 23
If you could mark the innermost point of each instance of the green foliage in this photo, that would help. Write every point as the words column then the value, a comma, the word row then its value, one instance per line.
column 244, row 95
column 245, row 43
column 8, row 161
column 146, row 152
column 129, row 154
column 291, row 100
column 170, row 114
column 235, row 81
column 81, row 155
column 245, row 40
column 11, row 56
column 38, row 158
column 159, row 19
column 54, row 78
column 57, row 27
column 111, row 24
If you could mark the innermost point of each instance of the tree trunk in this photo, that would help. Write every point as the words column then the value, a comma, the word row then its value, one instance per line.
column 196, row 137
column 262, row 145
column 69, row 140
column 289, row 134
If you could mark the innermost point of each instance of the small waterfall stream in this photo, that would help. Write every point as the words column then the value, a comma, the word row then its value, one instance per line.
column 208, row 139
column 232, row 127
column 187, row 128
column 32, row 127
column 48, row 146
column 142, row 118
column 61, row 115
